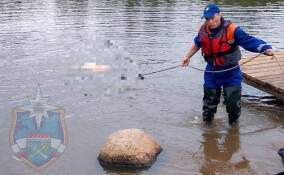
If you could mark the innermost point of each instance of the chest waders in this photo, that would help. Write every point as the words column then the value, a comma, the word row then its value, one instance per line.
column 232, row 100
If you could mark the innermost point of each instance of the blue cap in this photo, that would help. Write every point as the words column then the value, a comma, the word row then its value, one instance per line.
column 210, row 10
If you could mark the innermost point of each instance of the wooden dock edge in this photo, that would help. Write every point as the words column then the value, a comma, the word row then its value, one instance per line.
column 260, row 85
column 264, row 73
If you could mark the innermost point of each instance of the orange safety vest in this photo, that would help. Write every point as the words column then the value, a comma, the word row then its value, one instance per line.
column 220, row 50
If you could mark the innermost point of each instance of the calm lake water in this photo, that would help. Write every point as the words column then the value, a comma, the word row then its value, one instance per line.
column 50, row 42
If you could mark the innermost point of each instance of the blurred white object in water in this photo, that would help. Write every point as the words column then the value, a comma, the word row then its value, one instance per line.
column 93, row 67
column 96, row 68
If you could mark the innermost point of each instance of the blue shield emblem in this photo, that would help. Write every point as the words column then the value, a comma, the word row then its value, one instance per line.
column 38, row 134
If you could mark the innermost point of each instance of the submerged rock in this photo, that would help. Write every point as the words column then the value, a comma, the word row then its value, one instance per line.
column 281, row 153
column 129, row 147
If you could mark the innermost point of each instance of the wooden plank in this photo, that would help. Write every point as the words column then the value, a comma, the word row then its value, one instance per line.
column 275, row 81
column 271, row 77
column 262, row 69
column 275, row 78
column 260, row 66
column 261, row 74
column 264, row 73
column 269, row 88
column 279, row 54
column 264, row 62
column 264, row 57
column 280, row 84
column 258, row 62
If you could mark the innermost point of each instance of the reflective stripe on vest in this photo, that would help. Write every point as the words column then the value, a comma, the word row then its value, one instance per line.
column 221, row 49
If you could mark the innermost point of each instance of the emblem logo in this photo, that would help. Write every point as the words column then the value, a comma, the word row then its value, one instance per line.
column 38, row 134
column 207, row 9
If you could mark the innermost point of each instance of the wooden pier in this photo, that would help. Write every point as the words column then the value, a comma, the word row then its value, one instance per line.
column 265, row 74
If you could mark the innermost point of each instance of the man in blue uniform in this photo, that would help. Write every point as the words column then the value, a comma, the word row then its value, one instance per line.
column 219, row 40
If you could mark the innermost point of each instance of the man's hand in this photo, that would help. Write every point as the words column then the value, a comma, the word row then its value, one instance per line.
column 189, row 54
column 270, row 52
column 185, row 61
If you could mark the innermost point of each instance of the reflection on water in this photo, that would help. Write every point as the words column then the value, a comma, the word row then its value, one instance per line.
column 124, row 170
column 219, row 149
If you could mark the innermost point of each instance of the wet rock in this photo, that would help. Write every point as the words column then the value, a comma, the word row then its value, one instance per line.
column 129, row 147
column 281, row 153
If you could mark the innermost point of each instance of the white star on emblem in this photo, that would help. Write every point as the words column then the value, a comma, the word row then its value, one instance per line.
column 38, row 107
column 207, row 9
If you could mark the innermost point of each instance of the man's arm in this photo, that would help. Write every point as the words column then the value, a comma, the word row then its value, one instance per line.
column 251, row 43
column 194, row 48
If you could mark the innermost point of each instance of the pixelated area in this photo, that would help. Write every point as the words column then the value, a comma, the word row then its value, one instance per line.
column 100, row 67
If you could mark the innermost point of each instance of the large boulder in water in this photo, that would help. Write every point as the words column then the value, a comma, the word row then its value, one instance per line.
column 129, row 147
